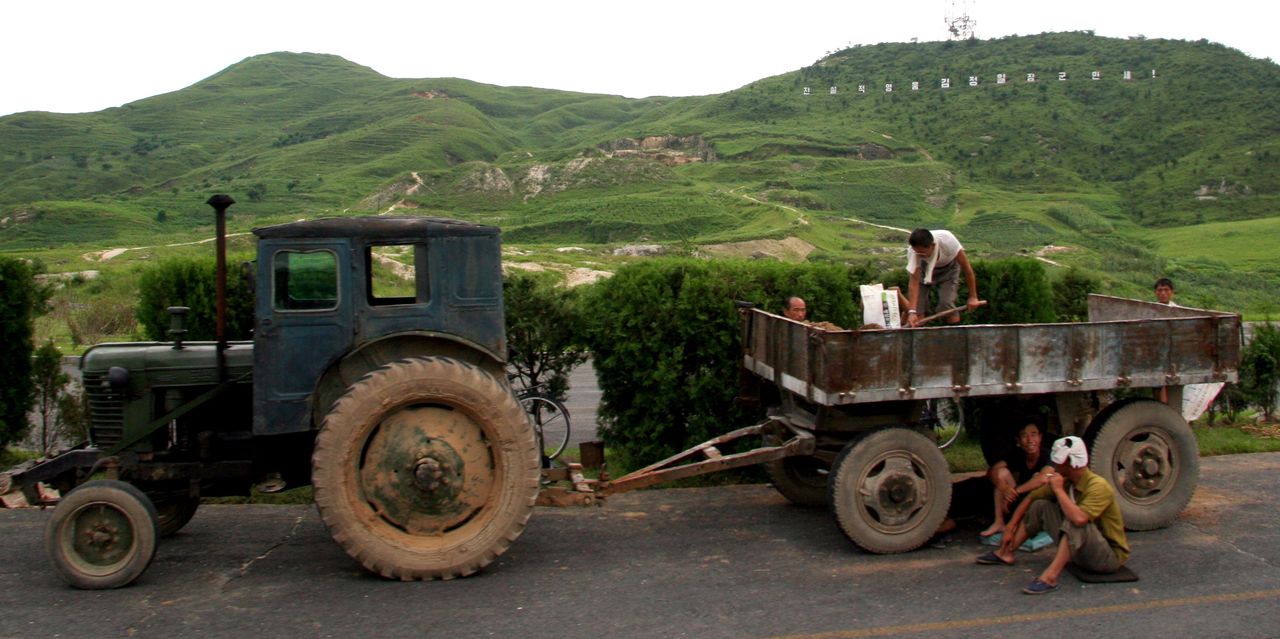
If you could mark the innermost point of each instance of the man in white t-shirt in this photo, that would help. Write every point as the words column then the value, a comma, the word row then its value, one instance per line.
column 934, row 261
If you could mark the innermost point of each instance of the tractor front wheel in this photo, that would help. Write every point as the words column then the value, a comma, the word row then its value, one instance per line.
column 102, row 535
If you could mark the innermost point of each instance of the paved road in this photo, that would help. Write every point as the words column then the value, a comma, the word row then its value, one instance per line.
column 582, row 401
column 733, row 561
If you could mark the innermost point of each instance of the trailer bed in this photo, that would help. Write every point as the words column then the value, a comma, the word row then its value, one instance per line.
column 1126, row 343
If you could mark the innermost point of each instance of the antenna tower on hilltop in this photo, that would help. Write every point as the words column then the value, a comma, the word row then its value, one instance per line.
column 959, row 23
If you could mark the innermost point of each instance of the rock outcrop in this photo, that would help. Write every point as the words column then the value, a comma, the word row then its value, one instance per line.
column 668, row 149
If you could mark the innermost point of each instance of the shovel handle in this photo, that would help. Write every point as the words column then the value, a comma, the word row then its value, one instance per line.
column 958, row 309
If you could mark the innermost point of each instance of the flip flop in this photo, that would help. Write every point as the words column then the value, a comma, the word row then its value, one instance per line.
column 992, row 559
column 1037, row 587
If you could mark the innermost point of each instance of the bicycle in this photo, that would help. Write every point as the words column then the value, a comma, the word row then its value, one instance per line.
column 549, row 418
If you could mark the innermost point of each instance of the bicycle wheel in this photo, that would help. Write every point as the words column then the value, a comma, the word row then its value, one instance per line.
column 943, row 433
column 550, row 421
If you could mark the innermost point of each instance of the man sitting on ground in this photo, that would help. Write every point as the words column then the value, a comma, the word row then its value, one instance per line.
column 1018, row 473
column 1077, row 506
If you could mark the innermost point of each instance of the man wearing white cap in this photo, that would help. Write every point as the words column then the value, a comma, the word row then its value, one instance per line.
column 1075, row 505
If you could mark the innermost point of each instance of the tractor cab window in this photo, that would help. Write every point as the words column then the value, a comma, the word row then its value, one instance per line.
column 397, row 274
column 305, row 280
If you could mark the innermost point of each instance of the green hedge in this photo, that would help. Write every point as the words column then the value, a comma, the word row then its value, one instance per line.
column 192, row 282
column 1017, row 290
column 664, row 336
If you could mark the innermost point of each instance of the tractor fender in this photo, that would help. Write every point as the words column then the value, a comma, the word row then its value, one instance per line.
column 371, row 355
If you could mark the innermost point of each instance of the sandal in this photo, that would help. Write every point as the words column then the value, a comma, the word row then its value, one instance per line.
column 1037, row 587
column 992, row 559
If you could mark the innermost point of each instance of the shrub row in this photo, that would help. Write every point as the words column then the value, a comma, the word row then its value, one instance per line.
column 664, row 336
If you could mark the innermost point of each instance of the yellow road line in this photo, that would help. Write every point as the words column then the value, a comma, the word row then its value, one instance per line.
column 909, row 629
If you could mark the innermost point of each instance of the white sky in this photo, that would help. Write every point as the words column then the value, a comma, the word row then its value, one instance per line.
column 75, row 55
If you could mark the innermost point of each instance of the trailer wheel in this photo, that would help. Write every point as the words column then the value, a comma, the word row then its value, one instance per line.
column 172, row 513
column 1149, row 454
column 890, row 490
column 102, row 535
column 803, row 480
column 426, row 468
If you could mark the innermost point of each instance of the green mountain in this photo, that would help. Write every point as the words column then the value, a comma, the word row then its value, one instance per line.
column 1176, row 174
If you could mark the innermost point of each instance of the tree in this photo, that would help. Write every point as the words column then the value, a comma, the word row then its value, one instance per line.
column 61, row 416
column 22, row 299
column 665, row 338
column 544, row 332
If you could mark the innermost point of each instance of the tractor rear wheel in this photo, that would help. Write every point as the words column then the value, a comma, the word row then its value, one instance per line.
column 426, row 468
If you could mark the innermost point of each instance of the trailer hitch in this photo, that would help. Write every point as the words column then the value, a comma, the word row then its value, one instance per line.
column 589, row 492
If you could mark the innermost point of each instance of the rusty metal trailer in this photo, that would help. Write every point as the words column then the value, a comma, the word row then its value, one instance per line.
column 844, row 426
column 859, row 394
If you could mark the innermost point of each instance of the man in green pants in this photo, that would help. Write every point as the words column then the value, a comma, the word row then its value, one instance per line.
column 1077, row 507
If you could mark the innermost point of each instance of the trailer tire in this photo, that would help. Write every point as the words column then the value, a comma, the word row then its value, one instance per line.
column 1149, row 455
column 803, row 480
column 890, row 490
column 426, row 468
column 102, row 535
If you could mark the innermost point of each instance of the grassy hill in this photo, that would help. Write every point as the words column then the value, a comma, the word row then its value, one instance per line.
column 1173, row 175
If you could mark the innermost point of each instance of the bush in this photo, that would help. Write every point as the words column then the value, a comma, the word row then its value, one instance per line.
column 1071, row 295
column 89, row 322
column 22, row 299
column 1017, row 291
column 192, row 282
column 665, row 340
column 1260, row 368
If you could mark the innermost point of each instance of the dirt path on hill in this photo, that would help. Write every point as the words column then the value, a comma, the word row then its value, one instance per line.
column 417, row 184
column 799, row 214
column 109, row 254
